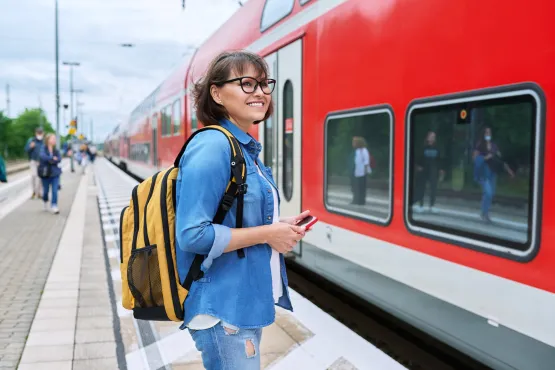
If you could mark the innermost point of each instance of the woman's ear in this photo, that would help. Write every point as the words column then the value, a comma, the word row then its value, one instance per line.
column 215, row 93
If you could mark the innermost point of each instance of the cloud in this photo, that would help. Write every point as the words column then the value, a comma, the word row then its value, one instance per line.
column 113, row 79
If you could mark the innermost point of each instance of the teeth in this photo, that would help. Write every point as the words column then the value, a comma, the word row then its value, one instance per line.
column 255, row 104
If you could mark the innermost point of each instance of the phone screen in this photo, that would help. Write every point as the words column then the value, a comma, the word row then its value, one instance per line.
column 305, row 220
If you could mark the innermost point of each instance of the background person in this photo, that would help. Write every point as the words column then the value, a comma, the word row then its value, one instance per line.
column 50, row 172
column 428, row 170
column 487, row 165
column 33, row 148
column 360, row 170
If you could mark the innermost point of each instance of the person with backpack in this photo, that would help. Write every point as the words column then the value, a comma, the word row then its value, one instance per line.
column 49, row 172
column 33, row 148
column 202, row 242
column 243, row 273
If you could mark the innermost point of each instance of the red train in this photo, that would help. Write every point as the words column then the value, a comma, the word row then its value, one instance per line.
column 453, row 242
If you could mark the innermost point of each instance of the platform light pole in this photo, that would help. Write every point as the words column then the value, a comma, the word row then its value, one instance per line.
column 57, row 82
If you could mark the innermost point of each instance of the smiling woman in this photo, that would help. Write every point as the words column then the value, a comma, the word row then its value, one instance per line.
column 232, row 301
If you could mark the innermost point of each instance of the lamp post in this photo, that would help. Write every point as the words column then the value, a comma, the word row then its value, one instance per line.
column 57, row 83
column 71, row 91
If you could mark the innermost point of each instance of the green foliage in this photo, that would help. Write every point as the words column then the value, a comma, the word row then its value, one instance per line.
column 14, row 133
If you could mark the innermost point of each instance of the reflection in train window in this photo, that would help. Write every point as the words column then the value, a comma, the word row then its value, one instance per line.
column 471, row 170
column 194, row 120
column 269, row 141
column 176, row 117
column 274, row 11
column 166, row 121
column 288, row 140
column 140, row 152
column 358, row 164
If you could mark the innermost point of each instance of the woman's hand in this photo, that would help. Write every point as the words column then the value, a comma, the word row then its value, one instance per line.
column 283, row 237
column 293, row 220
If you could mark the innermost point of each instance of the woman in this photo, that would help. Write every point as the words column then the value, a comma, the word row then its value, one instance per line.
column 428, row 168
column 487, row 164
column 227, row 308
column 50, row 172
column 361, row 169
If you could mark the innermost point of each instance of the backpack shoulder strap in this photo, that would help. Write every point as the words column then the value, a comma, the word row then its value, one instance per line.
column 236, row 188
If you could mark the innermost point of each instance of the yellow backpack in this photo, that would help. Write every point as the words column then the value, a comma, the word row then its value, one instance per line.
column 150, row 281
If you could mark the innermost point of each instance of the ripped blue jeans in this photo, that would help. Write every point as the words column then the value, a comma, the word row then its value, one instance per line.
column 228, row 349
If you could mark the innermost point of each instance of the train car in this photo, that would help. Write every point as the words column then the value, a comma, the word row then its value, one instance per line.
column 449, row 227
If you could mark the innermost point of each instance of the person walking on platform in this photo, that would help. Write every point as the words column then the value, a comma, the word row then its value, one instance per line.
column 33, row 148
column 49, row 172
column 244, row 273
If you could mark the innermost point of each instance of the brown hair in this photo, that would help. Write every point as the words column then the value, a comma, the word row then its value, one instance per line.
column 47, row 139
column 359, row 142
column 220, row 70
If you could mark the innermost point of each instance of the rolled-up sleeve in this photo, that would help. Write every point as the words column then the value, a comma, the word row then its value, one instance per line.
column 204, row 171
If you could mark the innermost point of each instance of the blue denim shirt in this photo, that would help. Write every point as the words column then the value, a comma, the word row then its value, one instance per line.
column 235, row 290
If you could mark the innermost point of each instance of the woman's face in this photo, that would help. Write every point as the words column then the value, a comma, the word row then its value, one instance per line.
column 431, row 138
column 243, row 108
column 52, row 140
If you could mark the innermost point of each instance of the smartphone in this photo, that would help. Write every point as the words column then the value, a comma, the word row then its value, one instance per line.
column 308, row 222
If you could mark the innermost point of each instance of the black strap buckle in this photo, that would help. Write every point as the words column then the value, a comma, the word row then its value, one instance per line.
column 242, row 189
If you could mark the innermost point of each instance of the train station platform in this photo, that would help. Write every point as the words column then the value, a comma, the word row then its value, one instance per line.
column 61, row 297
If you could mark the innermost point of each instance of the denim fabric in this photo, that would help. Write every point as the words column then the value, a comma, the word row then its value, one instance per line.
column 489, row 184
column 223, row 350
column 235, row 290
column 34, row 153
column 46, row 183
column 47, row 159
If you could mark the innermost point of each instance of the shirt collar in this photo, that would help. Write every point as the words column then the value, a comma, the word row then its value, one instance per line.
column 247, row 140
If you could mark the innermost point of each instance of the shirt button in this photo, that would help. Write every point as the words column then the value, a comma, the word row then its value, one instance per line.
column 269, row 190
column 269, row 218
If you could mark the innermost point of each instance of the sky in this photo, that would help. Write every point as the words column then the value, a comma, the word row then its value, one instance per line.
column 114, row 79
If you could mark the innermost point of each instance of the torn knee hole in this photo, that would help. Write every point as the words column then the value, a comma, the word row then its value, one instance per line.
column 249, row 348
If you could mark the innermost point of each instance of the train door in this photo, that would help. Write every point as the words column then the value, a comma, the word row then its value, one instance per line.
column 289, row 128
column 154, row 124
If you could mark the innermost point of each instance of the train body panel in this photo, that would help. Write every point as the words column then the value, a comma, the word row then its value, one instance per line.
column 393, row 74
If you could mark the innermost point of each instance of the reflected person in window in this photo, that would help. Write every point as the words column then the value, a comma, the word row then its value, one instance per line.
column 487, row 166
column 361, row 158
column 428, row 170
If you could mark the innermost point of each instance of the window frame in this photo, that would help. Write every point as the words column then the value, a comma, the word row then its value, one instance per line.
column 510, row 91
column 362, row 111
column 285, row 15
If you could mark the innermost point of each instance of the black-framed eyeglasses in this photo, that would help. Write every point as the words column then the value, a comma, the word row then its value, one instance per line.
column 250, row 84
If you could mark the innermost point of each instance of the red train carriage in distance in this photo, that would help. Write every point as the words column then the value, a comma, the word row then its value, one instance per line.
column 458, row 249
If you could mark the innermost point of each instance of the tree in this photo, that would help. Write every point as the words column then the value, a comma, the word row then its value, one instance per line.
column 15, row 133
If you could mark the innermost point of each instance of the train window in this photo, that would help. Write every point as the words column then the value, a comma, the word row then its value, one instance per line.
column 472, row 170
column 269, row 141
column 163, row 122
column 274, row 11
column 194, row 120
column 176, row 117
column 288, row 140
column 358, row 162
column 167, row 122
